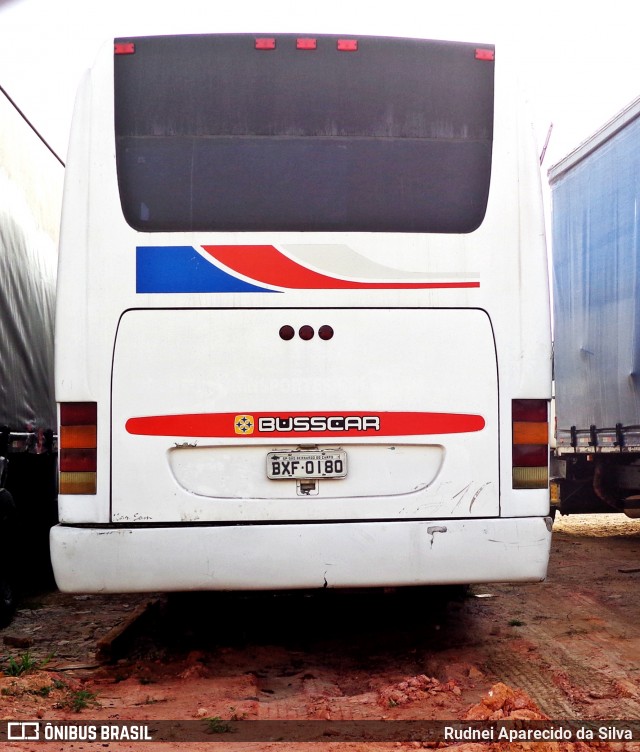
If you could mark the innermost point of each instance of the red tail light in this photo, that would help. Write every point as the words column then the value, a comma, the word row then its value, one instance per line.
column 530, row 443
column 77, row 447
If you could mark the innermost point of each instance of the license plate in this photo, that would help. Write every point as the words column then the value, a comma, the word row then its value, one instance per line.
column 301, row 465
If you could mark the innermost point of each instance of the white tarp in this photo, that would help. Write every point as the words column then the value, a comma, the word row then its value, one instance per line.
column 30, row 196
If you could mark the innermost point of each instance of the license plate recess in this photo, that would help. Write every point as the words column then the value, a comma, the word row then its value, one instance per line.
column 304, row 464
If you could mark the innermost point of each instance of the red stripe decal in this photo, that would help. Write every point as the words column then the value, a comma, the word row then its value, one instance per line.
column 266, row 264
column 272, row 425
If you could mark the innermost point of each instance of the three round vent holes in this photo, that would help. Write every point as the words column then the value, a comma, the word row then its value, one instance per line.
column 306, row 332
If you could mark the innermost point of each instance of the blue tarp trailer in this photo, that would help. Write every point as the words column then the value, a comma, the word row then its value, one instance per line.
column 596, row 273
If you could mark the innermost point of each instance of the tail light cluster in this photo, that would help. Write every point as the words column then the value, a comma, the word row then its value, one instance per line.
column 530, row 443
column 77, row 447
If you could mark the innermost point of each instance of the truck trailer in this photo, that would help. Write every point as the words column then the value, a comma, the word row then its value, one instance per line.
column 31, row 179
column 596, row 273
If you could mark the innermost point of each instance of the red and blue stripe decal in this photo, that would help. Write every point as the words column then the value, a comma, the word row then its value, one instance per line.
column 180, row 268
column 248, row 268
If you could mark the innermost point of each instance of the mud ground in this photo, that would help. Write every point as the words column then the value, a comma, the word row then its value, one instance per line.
column 568, row 648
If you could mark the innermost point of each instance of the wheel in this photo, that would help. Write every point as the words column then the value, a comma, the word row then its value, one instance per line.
column 8, row 601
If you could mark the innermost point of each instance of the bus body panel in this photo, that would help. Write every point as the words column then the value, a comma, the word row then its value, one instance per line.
column 404, row 380
column 300, row 556
column 459, row 320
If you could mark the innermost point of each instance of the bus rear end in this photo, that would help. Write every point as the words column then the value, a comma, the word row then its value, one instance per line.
column 306, row 282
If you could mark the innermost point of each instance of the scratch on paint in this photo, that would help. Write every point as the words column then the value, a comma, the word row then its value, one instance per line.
column 478, row 492
column 435, row 529
column 462, row 493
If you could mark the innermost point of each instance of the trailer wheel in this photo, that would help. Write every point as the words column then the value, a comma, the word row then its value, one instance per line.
column 8, row 591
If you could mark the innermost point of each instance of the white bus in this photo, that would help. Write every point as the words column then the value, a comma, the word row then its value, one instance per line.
column 303, row 333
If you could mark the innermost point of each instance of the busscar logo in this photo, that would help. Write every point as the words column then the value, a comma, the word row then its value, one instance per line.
column 244, row 425
column 320, row 423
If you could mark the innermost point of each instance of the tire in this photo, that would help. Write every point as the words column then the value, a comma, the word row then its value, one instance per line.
column 8, row 601
column 8, row 590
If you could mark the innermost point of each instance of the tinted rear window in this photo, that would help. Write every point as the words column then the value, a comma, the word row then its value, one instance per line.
column 215, row 135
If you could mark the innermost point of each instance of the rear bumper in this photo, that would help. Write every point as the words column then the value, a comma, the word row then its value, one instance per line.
column 292, row 556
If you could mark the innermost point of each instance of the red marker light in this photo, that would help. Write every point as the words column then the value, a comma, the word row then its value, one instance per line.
column 325, row 332
column 347, row 45
column 265, row 43
column 483, row 53
column 124, row 48
column 305, row 43
column 306, row 332
column 287, row 332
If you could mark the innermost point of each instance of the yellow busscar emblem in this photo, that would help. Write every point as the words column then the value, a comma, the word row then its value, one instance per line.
column 244, row 424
